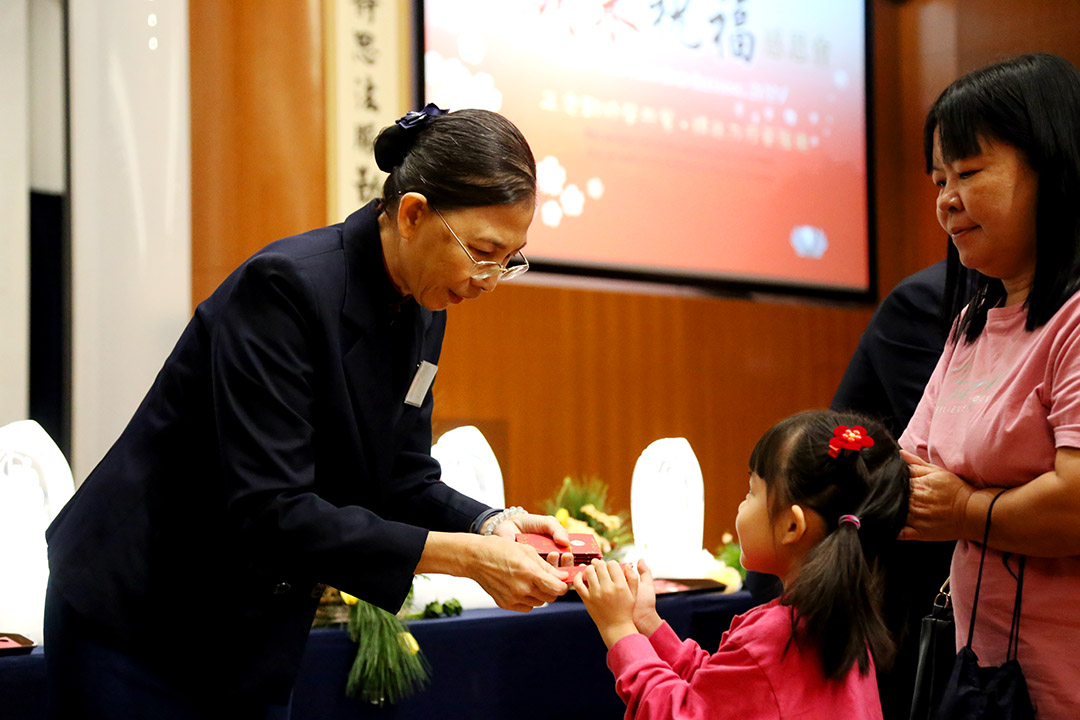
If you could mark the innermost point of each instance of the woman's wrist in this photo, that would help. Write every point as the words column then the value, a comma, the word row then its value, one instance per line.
column 490, row 524
column 447, row 553
column 972, row 513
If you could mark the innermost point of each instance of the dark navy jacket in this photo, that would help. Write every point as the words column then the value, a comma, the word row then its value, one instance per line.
column 274, row 452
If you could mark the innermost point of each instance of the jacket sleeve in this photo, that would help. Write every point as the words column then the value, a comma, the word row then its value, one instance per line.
column 695, row 686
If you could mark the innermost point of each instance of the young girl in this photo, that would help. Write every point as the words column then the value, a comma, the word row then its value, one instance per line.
column 828, row 492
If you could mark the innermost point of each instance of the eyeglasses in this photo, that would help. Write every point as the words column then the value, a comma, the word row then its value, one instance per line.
column 487, row 269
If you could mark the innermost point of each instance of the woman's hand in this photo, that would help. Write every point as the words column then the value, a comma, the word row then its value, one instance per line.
column 510, row 572
column 937, row 508
column 542, row 525
column 514, row 575
column 608, row 600
column 646, row 619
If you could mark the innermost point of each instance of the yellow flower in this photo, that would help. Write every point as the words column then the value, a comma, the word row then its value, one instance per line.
column 610, row 522
column 348, row 599
column 729, row 576
column 562, row 515
column 726, row 538
column 408, row 642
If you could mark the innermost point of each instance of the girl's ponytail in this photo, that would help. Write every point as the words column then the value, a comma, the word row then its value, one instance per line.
column 837, row 595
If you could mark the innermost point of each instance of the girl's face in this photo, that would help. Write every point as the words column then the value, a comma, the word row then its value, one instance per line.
column 987, row 204
column 761, row 550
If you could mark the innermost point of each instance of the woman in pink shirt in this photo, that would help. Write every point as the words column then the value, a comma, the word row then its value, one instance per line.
column 828, row 492
column 1002, row 409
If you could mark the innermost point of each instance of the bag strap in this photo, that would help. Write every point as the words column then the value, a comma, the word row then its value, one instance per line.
column 982, row 560
column 1014, row 629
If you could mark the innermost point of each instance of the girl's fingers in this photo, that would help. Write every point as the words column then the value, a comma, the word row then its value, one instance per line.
column 580, row 586
column 590, row 577
column 617, row 574
column 601, row 571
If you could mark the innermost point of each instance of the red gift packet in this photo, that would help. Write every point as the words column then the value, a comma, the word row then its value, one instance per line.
column 583, row 546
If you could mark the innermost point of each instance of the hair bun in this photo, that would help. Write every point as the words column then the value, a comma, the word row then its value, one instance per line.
column 394, row 142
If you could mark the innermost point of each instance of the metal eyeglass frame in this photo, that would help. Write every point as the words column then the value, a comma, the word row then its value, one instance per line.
column 487, row 269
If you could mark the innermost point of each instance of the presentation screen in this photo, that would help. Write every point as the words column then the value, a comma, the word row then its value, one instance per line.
column 698, row 141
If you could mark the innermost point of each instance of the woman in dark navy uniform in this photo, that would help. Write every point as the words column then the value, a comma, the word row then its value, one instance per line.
column 285, row 444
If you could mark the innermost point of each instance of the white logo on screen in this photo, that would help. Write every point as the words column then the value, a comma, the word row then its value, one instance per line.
column 809, row 241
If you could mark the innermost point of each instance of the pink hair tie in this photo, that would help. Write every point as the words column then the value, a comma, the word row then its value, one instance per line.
column 854, row 520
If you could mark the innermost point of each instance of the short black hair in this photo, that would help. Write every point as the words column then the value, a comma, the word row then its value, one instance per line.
column 466, row 158
column 1032, row 103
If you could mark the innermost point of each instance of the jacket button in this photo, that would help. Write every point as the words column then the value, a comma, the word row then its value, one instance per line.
column 282, row 588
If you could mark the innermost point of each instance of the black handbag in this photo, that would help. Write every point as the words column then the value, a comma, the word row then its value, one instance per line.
column 988, row 693
column 937, row 655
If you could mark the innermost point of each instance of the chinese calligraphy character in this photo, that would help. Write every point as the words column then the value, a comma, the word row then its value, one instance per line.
column 367, row 184
column 365, row 135
column 677, row 15
column 366, row 6
column 821, row 51
column 720, row 21
column 365, row 42
column 364, row 94
column 798, row 48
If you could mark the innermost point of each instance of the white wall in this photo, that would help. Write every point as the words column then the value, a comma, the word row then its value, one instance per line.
column 14, row 210
column 131, row 217
column 47, row 96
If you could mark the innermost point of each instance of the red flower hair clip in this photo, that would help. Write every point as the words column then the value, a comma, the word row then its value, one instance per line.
column 849, row 438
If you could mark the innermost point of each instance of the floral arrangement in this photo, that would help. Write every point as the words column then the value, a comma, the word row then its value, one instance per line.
column 389, row 665
column 581, row 507
column 733, row 574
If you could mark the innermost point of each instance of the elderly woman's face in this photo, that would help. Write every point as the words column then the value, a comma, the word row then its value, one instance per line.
column 987, row 204
column 440, row 272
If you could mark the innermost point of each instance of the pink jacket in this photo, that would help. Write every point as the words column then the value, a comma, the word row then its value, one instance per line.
column 749, row 677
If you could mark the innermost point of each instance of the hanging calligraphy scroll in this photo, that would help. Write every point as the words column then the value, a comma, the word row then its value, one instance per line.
column 367, row 76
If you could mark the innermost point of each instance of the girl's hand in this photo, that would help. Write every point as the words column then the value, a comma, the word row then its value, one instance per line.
column 646, row 620
column 938, row 504
column 608, row 599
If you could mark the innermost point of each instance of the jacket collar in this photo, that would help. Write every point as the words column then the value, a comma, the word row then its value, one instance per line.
column 369, row 294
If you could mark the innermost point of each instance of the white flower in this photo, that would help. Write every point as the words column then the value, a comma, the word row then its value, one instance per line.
column 551, row 214
column 572, row 200
column 550, row 176
column 595, row 188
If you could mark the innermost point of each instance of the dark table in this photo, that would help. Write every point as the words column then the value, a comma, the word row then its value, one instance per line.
column 487, row 664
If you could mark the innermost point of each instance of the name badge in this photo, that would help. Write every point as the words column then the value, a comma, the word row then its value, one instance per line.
column 421, row 383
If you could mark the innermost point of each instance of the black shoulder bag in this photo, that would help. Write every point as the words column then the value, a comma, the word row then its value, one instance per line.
column 937, row 655
column 990, row 693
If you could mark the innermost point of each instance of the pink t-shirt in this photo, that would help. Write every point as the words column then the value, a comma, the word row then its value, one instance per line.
column 994, row 413
column 749, row 677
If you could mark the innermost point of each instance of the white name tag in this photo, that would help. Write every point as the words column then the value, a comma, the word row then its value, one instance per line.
column 421, row 383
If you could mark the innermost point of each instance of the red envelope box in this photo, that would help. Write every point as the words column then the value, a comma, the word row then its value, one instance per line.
column 583, row 546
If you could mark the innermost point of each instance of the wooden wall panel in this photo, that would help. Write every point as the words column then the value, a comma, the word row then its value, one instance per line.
column 574, row 381
column 995, row 29
column 258, row 137
column 584, row 380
